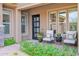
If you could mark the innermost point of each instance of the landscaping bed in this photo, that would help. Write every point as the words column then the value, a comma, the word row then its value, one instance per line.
column 9, row 41
column 39, row 49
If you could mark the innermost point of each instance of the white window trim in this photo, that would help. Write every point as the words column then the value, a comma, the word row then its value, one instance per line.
column 26, row 24
column 52, row 12
column 68, row 16
column 61, row 9
column 9, row 12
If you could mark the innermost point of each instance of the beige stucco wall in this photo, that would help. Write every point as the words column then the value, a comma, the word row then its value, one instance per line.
column 0, row 13
column 78, row 27
column 15, row 27
column 15, row 23
column 43, row 11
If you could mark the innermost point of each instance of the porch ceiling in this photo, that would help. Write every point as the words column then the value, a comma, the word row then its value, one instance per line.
column 24, row 6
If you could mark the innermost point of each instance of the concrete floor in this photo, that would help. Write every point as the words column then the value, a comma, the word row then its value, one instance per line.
column 13, row 50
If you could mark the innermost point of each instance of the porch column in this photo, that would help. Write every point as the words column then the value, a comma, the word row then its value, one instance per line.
column 78, row 28
column 57, row 22
column 1, row 19
column 18, row 25
column 67, row 21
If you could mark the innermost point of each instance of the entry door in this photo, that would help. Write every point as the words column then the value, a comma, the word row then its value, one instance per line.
column 35, row 25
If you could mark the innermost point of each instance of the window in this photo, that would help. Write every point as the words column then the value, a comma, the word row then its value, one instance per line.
column 72, row 19
column 52, row 20
column 62, row 21
column 24, row 23
column 6, row 21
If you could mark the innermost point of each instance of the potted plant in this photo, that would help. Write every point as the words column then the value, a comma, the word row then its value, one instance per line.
column 40, row 36
column 58, row 37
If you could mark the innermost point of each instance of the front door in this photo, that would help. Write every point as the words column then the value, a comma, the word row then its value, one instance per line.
column 35, row 25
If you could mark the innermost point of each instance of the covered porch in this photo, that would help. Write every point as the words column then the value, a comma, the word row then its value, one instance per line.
column 59, row 17
column 26, row 21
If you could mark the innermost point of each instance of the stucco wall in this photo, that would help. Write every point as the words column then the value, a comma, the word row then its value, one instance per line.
column 0, row 13
column 78, row 28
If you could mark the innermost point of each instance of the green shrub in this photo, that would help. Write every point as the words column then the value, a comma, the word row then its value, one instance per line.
column 40, row 36
column 58, row 34
column 39, row 49
column 9, row 41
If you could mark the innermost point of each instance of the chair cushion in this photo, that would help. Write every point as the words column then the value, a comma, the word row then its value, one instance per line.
column 69, row 41
column 46, row 39
column 71, row 35
column 49, row 33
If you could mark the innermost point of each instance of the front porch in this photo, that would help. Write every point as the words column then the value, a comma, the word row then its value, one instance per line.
column 26, row 22
column 12, row 50
column 59, row 17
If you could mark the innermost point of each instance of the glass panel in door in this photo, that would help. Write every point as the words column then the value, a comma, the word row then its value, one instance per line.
column 35, row 25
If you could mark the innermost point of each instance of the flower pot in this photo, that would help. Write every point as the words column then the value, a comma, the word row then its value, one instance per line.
column 58, row 39
column 40, row 36
column 40, row 40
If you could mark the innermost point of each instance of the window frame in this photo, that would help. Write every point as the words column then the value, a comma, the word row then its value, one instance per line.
column 60, row 10
column 8, row 12
column 26, row 23
column 49, row 13
column 66, row 20
column 70, row 9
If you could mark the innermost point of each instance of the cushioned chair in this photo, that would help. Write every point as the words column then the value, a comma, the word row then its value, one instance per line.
column 70, row 37
column 49, row 36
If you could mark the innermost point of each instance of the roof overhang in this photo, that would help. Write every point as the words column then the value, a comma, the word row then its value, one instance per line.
column 9, row 5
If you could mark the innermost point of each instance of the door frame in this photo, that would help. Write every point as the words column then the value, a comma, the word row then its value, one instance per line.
column 37, row 15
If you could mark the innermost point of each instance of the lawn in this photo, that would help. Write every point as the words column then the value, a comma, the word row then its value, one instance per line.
column 39, row 49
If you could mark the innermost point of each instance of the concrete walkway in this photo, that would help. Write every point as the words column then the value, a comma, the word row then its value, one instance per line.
column 13, row 50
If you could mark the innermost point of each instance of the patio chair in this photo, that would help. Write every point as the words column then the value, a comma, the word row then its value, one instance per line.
column 49, row 36
column 70, row 37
